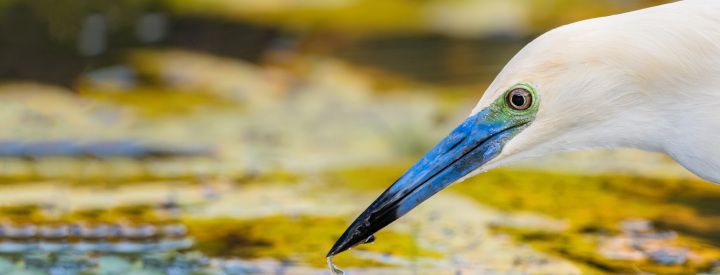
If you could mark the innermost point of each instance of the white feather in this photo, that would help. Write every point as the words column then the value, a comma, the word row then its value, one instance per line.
column 648, row 79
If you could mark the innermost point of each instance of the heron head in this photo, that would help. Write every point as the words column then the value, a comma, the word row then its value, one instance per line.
column 553, row 95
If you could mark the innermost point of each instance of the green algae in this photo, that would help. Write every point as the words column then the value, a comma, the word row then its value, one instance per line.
column 597, row 204
column 581, row 248
column 158, row 101
column 356, row 17
column 602, row 200
column 366, row 178
column 592, row 205
column 303, row 239
column 368, row 17
column 586, row 201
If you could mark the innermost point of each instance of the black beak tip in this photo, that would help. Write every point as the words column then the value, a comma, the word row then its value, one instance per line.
column 334, row 250
column 338, row 247
column 355, row 234
column 362, row 229
column 342, row 244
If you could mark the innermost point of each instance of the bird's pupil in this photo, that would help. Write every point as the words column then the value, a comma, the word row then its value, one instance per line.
column 518, row 100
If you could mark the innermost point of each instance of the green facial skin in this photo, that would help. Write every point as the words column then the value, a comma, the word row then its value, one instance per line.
column 502, row 113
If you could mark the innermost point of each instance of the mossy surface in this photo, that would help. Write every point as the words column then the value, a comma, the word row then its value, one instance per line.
column 360, row 17
column 581, row 249
column 593, row 206
column 154, row 101
column 601, row 201
column 304, row 239
column 586, row 201
column 598, row 204
column 368, row 17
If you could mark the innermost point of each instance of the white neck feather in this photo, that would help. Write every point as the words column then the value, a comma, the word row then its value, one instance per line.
column 648, row 79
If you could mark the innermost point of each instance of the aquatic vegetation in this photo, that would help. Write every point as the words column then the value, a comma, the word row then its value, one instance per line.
column 302, row 239
column 368, row 17
column 593, row 205
column 353, row 16
column 367, row 178
column 582, row 249
column 584, row 200
column 154, row 101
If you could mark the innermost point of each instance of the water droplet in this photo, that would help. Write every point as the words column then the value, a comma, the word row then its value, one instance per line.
column 370, row 239
column 333, row 268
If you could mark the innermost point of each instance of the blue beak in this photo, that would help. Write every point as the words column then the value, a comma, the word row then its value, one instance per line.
column 476, row 141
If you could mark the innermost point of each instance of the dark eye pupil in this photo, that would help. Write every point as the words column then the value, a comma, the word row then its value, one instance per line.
column 518, row 100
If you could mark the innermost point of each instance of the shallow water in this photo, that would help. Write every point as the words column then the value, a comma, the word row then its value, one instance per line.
column 451, row 233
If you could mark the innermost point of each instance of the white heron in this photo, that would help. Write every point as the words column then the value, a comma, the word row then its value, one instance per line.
column 648, row 79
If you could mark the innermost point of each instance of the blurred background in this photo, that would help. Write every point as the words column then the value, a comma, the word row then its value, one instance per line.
column 243, row 136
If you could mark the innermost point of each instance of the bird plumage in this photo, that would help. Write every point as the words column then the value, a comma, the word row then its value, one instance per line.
column 648, row 79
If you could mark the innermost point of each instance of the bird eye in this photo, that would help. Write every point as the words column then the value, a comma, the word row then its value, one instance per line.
column 519, row 99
